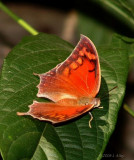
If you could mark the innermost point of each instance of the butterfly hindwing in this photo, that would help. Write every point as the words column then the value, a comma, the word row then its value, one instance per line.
column 55, row 112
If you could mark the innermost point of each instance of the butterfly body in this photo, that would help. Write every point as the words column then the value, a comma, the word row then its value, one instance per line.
column 72, row 86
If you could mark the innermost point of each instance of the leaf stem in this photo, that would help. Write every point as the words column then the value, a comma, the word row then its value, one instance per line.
column 128, row 109
column 19, row 20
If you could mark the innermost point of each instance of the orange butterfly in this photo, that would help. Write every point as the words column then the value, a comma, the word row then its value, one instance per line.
column 72, row 86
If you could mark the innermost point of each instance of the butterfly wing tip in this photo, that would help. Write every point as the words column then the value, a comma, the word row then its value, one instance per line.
column 36, row 74
column 34, row 101
column 38, row 86
column 82, row 36
column 53, row 123
column 39, row 95
column 22, row 113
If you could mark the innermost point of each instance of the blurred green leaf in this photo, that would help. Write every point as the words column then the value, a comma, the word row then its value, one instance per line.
column 128, row 109
column 28, row 138
column 129, row 43
column 122, row 9
column 99, row 33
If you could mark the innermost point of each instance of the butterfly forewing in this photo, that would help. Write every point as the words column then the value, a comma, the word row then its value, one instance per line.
column 79, row 75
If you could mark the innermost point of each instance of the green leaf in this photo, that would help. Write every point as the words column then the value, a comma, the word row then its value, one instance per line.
column 129, row 43
column 27, row 138
column 46, row 150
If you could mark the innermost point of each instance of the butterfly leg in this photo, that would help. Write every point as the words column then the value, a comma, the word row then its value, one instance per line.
column 91, row 118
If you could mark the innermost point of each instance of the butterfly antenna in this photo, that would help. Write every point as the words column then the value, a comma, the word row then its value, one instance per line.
column 108, row 92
